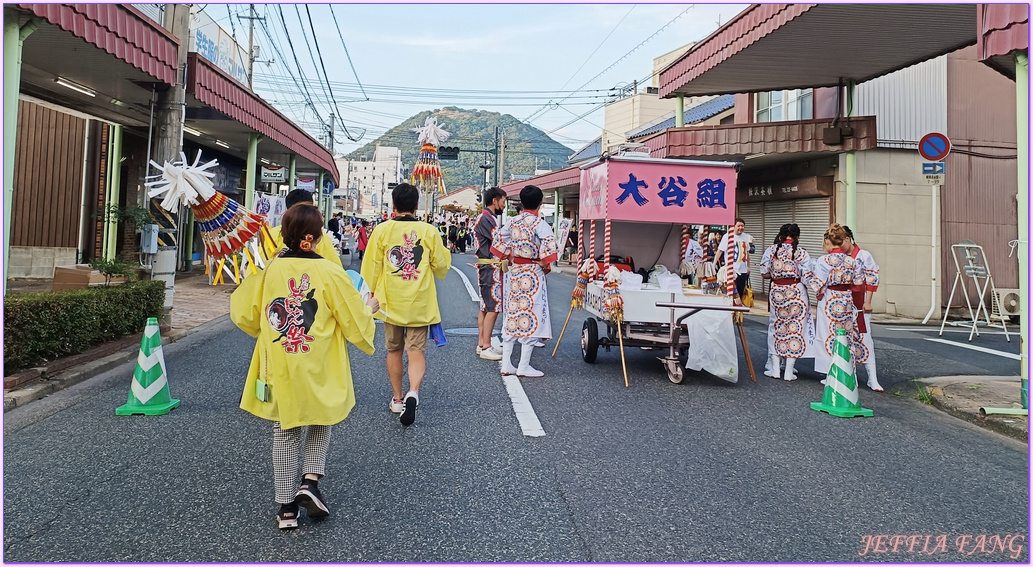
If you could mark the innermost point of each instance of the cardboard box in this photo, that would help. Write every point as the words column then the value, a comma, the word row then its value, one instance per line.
column 78, row 277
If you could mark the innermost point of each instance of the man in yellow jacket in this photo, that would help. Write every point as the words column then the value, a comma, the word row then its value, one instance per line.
column 402, row 259
column 324, row 246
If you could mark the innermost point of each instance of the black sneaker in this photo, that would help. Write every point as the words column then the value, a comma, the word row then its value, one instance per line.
column 409, row 413
column 309, row 498
column 287, row 517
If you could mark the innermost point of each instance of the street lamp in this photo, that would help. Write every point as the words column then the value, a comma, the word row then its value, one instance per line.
column 484, row 188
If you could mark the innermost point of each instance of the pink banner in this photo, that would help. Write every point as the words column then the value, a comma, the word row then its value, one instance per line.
column 652, row 191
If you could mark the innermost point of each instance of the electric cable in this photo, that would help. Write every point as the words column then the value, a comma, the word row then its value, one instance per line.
column 315, row 40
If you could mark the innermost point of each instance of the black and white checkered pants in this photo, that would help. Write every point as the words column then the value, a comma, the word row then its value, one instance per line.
column 286, row 444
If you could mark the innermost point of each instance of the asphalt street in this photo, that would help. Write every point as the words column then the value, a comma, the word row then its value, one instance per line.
column 701, row 471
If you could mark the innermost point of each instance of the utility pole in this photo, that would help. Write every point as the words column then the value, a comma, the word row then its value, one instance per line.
column 496, row 155
column 502, row 161
column 251, row 17
column 170, row 112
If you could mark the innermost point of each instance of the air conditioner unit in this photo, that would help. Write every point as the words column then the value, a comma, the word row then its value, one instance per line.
column 1008, row 301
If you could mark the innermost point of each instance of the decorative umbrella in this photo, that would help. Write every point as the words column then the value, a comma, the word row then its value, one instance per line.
column 226, row 226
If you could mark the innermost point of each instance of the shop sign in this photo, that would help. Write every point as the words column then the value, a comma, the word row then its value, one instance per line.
column 216, row 45
column 307, row 184
column 789, row 189
column 658, row 191
column 273, row 174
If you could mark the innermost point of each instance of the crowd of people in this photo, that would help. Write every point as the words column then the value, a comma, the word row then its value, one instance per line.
column 302, row 310
column 843, row 281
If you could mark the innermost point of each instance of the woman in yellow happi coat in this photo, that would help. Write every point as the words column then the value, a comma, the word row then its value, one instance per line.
column 302, row 309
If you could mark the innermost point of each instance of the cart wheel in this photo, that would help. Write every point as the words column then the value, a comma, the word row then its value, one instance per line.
column 675, row 371
column 589, row 340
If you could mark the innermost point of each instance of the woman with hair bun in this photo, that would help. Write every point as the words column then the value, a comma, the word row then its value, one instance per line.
column 833, row 276
column 790, row 333
column 302, row 309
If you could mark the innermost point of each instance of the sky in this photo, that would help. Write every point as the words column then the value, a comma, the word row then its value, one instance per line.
column 550, row 65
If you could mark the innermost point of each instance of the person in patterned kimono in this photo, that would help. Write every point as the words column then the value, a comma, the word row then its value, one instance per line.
column 833, row 275
column 862, row 295
column 527, row 242
column 788, row 266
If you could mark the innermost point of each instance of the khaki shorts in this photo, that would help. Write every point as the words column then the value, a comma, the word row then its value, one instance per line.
column 414, row 338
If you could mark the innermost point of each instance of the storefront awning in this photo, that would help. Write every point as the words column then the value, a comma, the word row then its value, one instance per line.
column 120, row 30
column 786, row 46
column 239, row 111
column 1003, row 29
column 559, row 179
column 759, row 144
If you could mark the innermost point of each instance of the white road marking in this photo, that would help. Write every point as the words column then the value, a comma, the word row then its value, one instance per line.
column 982, row 331
column 978, row 348
column 469, row 288
column 529, row 423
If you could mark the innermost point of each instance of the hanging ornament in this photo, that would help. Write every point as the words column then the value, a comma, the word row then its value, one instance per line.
column 226, row 226
column 426, row 173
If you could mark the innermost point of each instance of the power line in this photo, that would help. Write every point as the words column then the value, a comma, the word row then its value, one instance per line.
column 283, row 22
column 326, row 76
column 308, row 45
column 535, row 113
column 348, row 55
column 633, row 49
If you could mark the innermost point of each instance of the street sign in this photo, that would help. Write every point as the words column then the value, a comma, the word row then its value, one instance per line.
column 934, row 146
column 933, row 168
column 328, row 187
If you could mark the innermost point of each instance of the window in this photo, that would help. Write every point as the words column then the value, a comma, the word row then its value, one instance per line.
column 779, row 106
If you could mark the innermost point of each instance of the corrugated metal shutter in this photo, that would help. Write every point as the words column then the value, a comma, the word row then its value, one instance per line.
column 753, row 214
column 776, row 213
column 812, row 215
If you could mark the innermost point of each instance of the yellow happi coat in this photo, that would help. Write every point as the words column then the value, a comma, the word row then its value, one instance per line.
column 402, row 259
column 302, row 308
column 324, row 247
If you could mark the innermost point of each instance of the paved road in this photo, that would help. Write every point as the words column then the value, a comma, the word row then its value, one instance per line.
column 701, row 471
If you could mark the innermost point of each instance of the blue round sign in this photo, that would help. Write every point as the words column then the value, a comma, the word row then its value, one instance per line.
column 934, row 146
column 328, row 187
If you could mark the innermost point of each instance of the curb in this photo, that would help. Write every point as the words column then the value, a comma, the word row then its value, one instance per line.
column 56, row 382
column 991, row 423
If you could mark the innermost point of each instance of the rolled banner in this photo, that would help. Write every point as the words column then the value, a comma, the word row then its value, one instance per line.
column 360, row 284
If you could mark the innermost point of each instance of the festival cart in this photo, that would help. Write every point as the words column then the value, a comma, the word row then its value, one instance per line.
column 646, row 206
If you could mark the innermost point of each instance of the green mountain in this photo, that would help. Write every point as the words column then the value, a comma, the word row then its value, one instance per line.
column 473, row 131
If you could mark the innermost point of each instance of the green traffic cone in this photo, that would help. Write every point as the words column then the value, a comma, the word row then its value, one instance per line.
column 840, row 397
column 149, row 390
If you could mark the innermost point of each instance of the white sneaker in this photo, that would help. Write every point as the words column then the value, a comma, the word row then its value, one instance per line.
column 489, row 353
column 529, row 372
column 411, row 402
column 396, row 406
column 790, row 377
column 823, row 381
column 539, row 344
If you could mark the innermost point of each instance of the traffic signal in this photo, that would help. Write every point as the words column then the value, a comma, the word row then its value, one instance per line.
column 448, row 152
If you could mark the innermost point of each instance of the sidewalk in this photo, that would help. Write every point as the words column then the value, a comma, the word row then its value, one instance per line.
column 198, row 306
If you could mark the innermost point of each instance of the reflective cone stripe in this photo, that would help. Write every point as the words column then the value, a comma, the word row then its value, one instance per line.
column 840, row 395
column 149, row 379
column 149, row 389
column 841, row 375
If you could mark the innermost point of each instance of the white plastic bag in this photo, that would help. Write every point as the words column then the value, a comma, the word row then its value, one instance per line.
column 712, row 345
column 657, row 271
column 631, row 281
column 669, row 282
